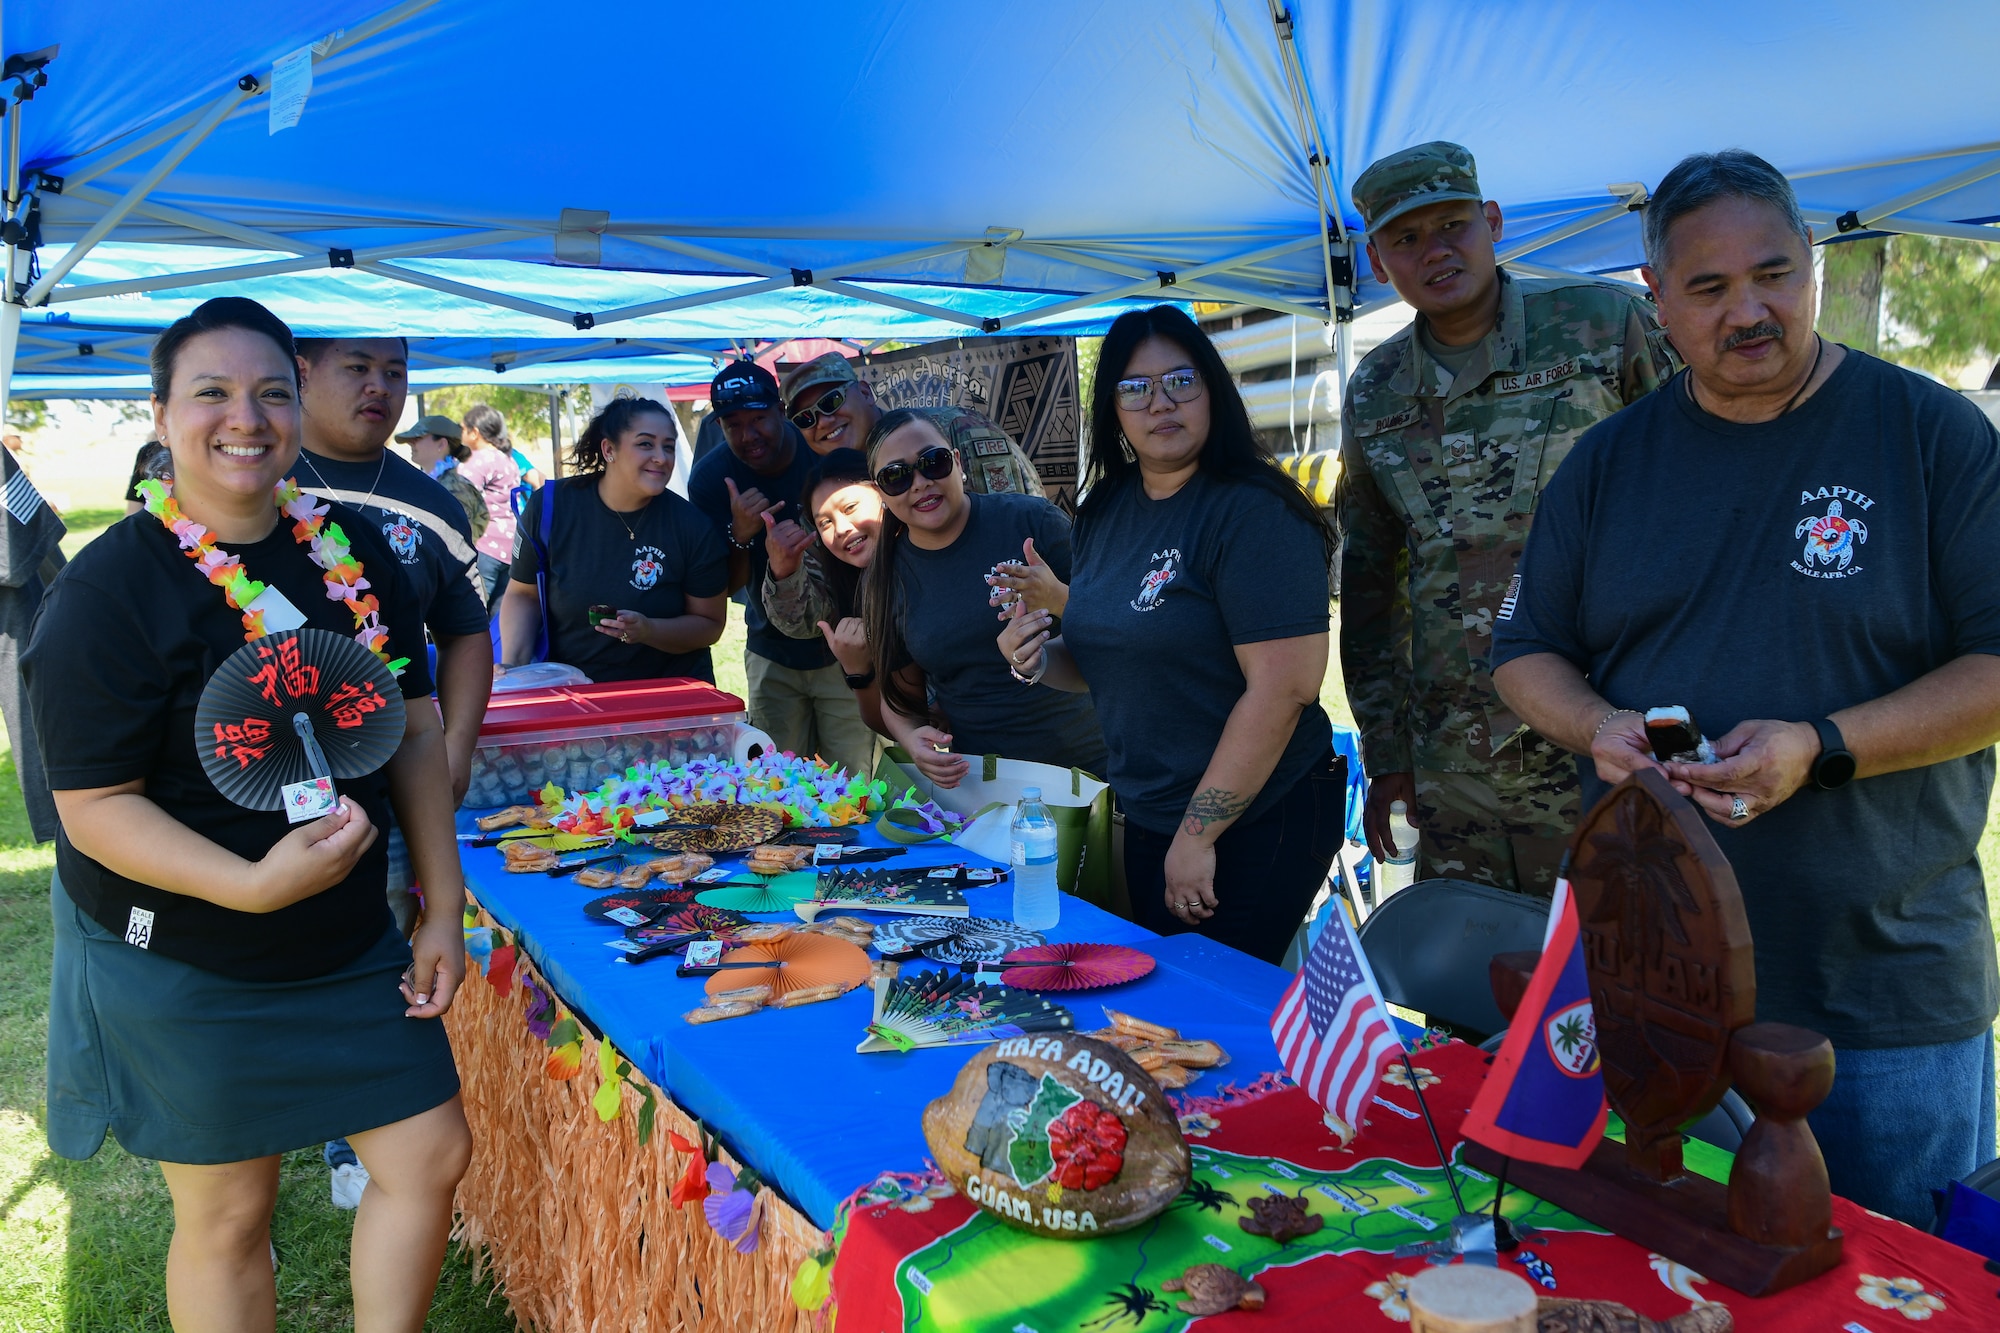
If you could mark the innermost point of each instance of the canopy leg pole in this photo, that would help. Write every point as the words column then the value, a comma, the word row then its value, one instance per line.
column 10, row 342
column 555, row 434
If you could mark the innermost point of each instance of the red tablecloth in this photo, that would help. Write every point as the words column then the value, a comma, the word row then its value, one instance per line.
column 912, row 1257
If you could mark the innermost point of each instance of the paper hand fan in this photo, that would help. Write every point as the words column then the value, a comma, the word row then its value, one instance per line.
column 910, row 891
column 693, row 919
column 941, row 1008
column 909, row 934
column 643, row 904
column 1074, row 966
column 292, row 707
column 779, row 895
column 797, row 962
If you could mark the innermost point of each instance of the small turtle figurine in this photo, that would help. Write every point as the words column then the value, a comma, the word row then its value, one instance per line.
column 1211, row 1289
column 1281, row 1217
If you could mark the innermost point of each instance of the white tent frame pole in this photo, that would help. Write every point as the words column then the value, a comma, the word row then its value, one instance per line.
column 481, row 294
column 142, row 187
column 674, row 348
column 1978, row 171
column 784, row 277
column 839, row 288
column 304, row 263
column 1192, row 279
column 1534, row 270
column 1828, row 227
column 1629, row 198
column 1306, row 111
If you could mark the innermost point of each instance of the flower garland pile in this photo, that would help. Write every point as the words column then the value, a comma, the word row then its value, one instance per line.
column 328, row 545
column 809, row 793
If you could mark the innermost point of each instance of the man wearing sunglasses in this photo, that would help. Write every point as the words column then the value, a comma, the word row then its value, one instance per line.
column 1449, row 432
column 797, row 691
column 834, row 409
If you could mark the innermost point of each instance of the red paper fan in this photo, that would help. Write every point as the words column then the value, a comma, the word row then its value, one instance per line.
column 1073, row 966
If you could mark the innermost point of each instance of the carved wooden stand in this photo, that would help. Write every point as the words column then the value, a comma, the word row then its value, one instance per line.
column 1673, row 988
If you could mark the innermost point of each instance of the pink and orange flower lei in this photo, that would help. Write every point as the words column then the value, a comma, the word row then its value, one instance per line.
column 324, row 541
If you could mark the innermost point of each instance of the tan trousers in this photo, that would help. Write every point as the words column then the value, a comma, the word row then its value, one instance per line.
column 1507, row 827
column 810, row 713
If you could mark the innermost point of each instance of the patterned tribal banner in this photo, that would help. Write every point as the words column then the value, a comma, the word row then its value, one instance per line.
column 1026, row 386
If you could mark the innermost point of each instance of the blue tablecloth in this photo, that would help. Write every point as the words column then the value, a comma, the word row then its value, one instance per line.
column 785, row 1089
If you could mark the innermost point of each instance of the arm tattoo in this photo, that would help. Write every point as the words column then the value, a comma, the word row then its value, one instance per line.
column 1212, row 805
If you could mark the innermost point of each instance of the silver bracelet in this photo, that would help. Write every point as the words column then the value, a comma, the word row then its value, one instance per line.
column 1606, row 721
column 1040, row 671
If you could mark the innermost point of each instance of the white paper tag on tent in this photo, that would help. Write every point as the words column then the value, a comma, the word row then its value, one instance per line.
column 291, row 81
column 279, row 613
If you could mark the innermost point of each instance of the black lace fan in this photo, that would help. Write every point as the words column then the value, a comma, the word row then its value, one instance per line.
column 294, row 706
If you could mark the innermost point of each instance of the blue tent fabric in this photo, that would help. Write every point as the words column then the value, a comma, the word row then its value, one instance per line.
column 1094, row 146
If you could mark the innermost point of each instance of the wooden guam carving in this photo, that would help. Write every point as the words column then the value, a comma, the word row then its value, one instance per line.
column 1673, row 984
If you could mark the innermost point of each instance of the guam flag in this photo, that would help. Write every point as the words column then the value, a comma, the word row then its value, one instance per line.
column 1543, row 1100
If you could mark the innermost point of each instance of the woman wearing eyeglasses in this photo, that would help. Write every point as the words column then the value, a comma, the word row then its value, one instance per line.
column 926, row 610
column 1197, row 620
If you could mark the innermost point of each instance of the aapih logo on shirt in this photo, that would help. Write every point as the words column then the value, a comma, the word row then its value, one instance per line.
column 404, row 536
column 648, row 562
column 1833, row 537
column 1154, row 584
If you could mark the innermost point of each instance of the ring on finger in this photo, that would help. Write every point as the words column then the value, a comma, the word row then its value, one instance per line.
column 1739, row 808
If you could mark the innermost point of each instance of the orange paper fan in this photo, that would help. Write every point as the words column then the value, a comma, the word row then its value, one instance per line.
column 797, row 962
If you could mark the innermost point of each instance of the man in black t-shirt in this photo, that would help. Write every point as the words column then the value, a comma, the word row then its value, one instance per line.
column 352, row 391
column 797, row 691
column 1795, row 542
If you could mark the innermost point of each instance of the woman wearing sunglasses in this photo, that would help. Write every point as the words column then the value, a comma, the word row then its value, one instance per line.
column 929, row 620
column 1197, row 619
column 812, row 577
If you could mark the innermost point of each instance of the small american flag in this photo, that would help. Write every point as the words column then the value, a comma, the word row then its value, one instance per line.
column 1332, row 1028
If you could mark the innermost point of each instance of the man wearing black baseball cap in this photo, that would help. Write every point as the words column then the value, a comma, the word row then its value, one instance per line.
column 797, row 691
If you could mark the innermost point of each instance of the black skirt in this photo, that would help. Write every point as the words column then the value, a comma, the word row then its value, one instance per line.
column 186, row 1065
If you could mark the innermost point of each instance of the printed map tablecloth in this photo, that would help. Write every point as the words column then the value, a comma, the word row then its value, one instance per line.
column 914, row 1255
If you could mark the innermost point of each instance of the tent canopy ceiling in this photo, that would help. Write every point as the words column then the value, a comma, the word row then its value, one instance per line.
column 1046, row 153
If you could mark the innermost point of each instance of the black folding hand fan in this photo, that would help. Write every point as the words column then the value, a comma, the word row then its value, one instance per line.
column 295, row 706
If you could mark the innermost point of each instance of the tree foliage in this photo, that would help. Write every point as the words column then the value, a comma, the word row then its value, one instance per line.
column 526, row 409
column 1945, row 296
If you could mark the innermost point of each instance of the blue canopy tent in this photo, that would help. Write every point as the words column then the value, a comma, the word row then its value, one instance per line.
column 1057, row 155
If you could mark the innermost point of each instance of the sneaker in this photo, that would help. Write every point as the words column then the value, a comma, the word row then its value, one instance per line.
column 349, row 1179
column 337, row 1154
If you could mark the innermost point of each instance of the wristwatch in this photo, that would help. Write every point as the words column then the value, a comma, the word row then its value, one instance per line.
column 1835, row 766
column 860, row 682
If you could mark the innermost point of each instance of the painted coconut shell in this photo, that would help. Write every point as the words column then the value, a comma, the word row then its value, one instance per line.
column 1062, row 1135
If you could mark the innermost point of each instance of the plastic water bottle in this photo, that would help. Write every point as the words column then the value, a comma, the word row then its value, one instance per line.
column 1037, row 902
column 1400, row 871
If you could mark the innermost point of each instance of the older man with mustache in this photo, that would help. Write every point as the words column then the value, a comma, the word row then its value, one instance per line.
column 1796, row 541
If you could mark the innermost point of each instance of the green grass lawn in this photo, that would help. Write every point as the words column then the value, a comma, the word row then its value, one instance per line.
column 83, row 1244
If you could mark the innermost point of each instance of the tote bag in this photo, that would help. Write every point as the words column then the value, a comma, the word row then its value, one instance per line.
column 987, row 795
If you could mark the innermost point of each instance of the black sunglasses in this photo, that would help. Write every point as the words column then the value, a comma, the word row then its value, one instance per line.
column 829, row 403
column 934, row 463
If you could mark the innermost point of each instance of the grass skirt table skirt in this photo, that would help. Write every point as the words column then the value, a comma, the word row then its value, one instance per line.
column 186, row 1065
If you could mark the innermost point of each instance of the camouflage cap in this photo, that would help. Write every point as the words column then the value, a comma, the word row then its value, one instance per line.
column 431, row 425
column 831, row 368
column 1430, row 173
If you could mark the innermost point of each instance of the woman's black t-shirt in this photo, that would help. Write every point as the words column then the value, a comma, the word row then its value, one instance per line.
column 125, row 642
column 671, row 554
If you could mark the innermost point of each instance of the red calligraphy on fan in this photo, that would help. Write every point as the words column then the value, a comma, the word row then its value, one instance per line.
column 288, row 673
column 245, row 742
column 351, row 704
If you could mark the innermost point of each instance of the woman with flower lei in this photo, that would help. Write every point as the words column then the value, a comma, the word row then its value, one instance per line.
column 228, row 987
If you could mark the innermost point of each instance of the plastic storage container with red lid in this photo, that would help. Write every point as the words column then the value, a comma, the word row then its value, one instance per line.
column 576, row 736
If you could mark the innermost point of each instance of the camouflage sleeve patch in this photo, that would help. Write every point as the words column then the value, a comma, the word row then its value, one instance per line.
column 796, row 604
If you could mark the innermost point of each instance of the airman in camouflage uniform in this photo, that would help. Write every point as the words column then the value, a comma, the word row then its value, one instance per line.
column 1444, row 449
column 993, row 464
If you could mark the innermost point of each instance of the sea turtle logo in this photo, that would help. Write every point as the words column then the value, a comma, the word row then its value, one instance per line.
column 404, row 536
column 647, row 564
column 1154, row 584
column 1571, row 1033
column 1831, row 538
